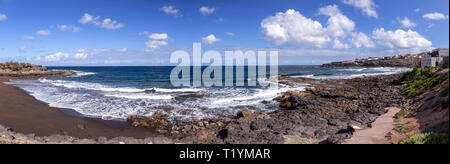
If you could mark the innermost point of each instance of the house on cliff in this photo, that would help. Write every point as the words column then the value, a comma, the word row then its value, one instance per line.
column 440, row 52
column 438, row 57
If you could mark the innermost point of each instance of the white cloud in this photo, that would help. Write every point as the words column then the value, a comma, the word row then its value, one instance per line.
column 230, row 34
column 170, row 10
column 155, row 36
column 430, row 25
column 3, row 17
column 400, row 39
column 68, row 28
column 406, row 23
column 105, row 23
column 210, row 39
column 123, row 50
column 367, row 6
column 144, row 33
column 27, row 38
column 22, row 49
column 337, row 44
column 111, row 24
column 206, row 10
column 362, row 40
column 417, row 10
column 100, row 51
column 55, row 57
column 329, row 10
column 435, row 16
column 87, row 18
column 154, row 44
column 158, row 36
column 293, row 28
column 338, row 25
column 81, row 54
column 43, row 32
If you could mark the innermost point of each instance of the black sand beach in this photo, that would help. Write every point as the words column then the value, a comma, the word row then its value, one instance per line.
column 27, row 115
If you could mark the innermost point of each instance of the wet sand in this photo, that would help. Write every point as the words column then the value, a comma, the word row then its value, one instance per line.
column 27, row 115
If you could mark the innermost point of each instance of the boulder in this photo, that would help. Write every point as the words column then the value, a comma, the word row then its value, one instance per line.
column 244, row 114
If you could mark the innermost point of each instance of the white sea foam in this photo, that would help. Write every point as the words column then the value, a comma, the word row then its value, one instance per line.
column 141, row 96
column 176, row 90
column 305, row 76
column 81, row 73
column 257, row 97
column 363, row 72
column 100, row 87
column 89, row 86
column 78, row 73
column 90, row 105
column 354, row 69
column 105, row 102
column 388, row 71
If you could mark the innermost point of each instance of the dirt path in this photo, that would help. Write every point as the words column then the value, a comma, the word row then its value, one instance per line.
column 376, row 134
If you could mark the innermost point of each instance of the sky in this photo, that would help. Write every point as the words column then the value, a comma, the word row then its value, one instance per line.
column 146, row 32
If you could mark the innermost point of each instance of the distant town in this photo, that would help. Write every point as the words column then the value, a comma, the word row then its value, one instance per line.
column 437, row 57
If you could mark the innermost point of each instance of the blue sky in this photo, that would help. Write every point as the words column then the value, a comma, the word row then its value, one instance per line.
column 144, row 32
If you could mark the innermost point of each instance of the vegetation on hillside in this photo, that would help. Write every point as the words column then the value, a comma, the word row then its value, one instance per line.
column 402, row 125
column 427, row 138
column 16, row 66
column 419, row 80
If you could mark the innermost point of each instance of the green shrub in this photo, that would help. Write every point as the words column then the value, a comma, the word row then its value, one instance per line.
column 411, row 75
column 402, row 125
column 427, row 138
column 421, row 80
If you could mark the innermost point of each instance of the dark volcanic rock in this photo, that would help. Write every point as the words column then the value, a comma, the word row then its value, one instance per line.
column 325, row 113
column 38, row 74
column 342, row 104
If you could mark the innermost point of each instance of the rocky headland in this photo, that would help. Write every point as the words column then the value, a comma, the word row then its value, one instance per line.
column 406, row 61
column 26, row 70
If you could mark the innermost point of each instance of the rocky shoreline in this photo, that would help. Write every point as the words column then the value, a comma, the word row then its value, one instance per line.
column 327, row 112
column 8, row 136
column 37, row 74
column 27, row 70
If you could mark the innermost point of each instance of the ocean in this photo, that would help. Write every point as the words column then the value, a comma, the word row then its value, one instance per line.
column 113, row 93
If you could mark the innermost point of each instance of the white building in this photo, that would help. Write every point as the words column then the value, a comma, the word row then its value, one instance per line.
column 440, row 52
column 431, row 62
column 437, row 57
